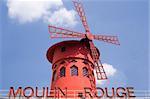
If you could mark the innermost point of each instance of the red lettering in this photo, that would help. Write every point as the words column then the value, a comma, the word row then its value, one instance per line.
column 130, row 92
column 12, row 93
column 31, row 90
column 122, row 92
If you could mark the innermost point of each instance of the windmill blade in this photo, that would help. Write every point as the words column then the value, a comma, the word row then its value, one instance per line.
column 94, row 52
column 100, row 72
column 108, row 39
column 57, row 32
column 79, row 8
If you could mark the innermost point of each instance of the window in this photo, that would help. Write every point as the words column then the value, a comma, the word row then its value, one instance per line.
column 54, row 75
column 63, row 49
column 62, row 72
column 85, row 71
column 74, row 71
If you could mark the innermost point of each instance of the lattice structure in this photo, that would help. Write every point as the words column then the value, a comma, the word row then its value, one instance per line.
column 81, row 13
column 57, row 32
column 100, row 72
column 108, row 39
column 101, row 75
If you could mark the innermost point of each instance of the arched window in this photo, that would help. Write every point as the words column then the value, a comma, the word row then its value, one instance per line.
column 62, row 72
column 54, row 75
column 85, row 71
column 74, row 71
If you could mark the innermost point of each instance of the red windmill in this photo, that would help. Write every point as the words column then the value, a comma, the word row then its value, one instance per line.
column 87, row 38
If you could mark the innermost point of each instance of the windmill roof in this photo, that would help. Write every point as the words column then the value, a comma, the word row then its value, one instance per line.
column 51, row 50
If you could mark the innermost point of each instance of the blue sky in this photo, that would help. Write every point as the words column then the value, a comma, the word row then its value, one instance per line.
column 23, row 45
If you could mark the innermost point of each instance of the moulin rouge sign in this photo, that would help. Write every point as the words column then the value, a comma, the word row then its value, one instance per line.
column 29, row 92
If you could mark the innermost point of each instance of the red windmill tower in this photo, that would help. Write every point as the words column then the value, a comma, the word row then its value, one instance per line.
column 74, row 61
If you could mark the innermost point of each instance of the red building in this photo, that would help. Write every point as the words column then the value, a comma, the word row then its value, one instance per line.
column 72, row 67
column 73, row 62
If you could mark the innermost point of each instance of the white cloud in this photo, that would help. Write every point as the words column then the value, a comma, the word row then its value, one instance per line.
column 115, row 77
column 109, row 69
column 110, row 72
column 68, row 16
column 52, row 11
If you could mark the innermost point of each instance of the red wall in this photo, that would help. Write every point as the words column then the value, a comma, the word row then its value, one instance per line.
column 78, row 52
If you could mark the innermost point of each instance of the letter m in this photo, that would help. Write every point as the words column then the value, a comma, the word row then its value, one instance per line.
column 12, row 92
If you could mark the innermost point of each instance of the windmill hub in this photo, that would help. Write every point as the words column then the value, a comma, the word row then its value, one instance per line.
column 89, row 36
